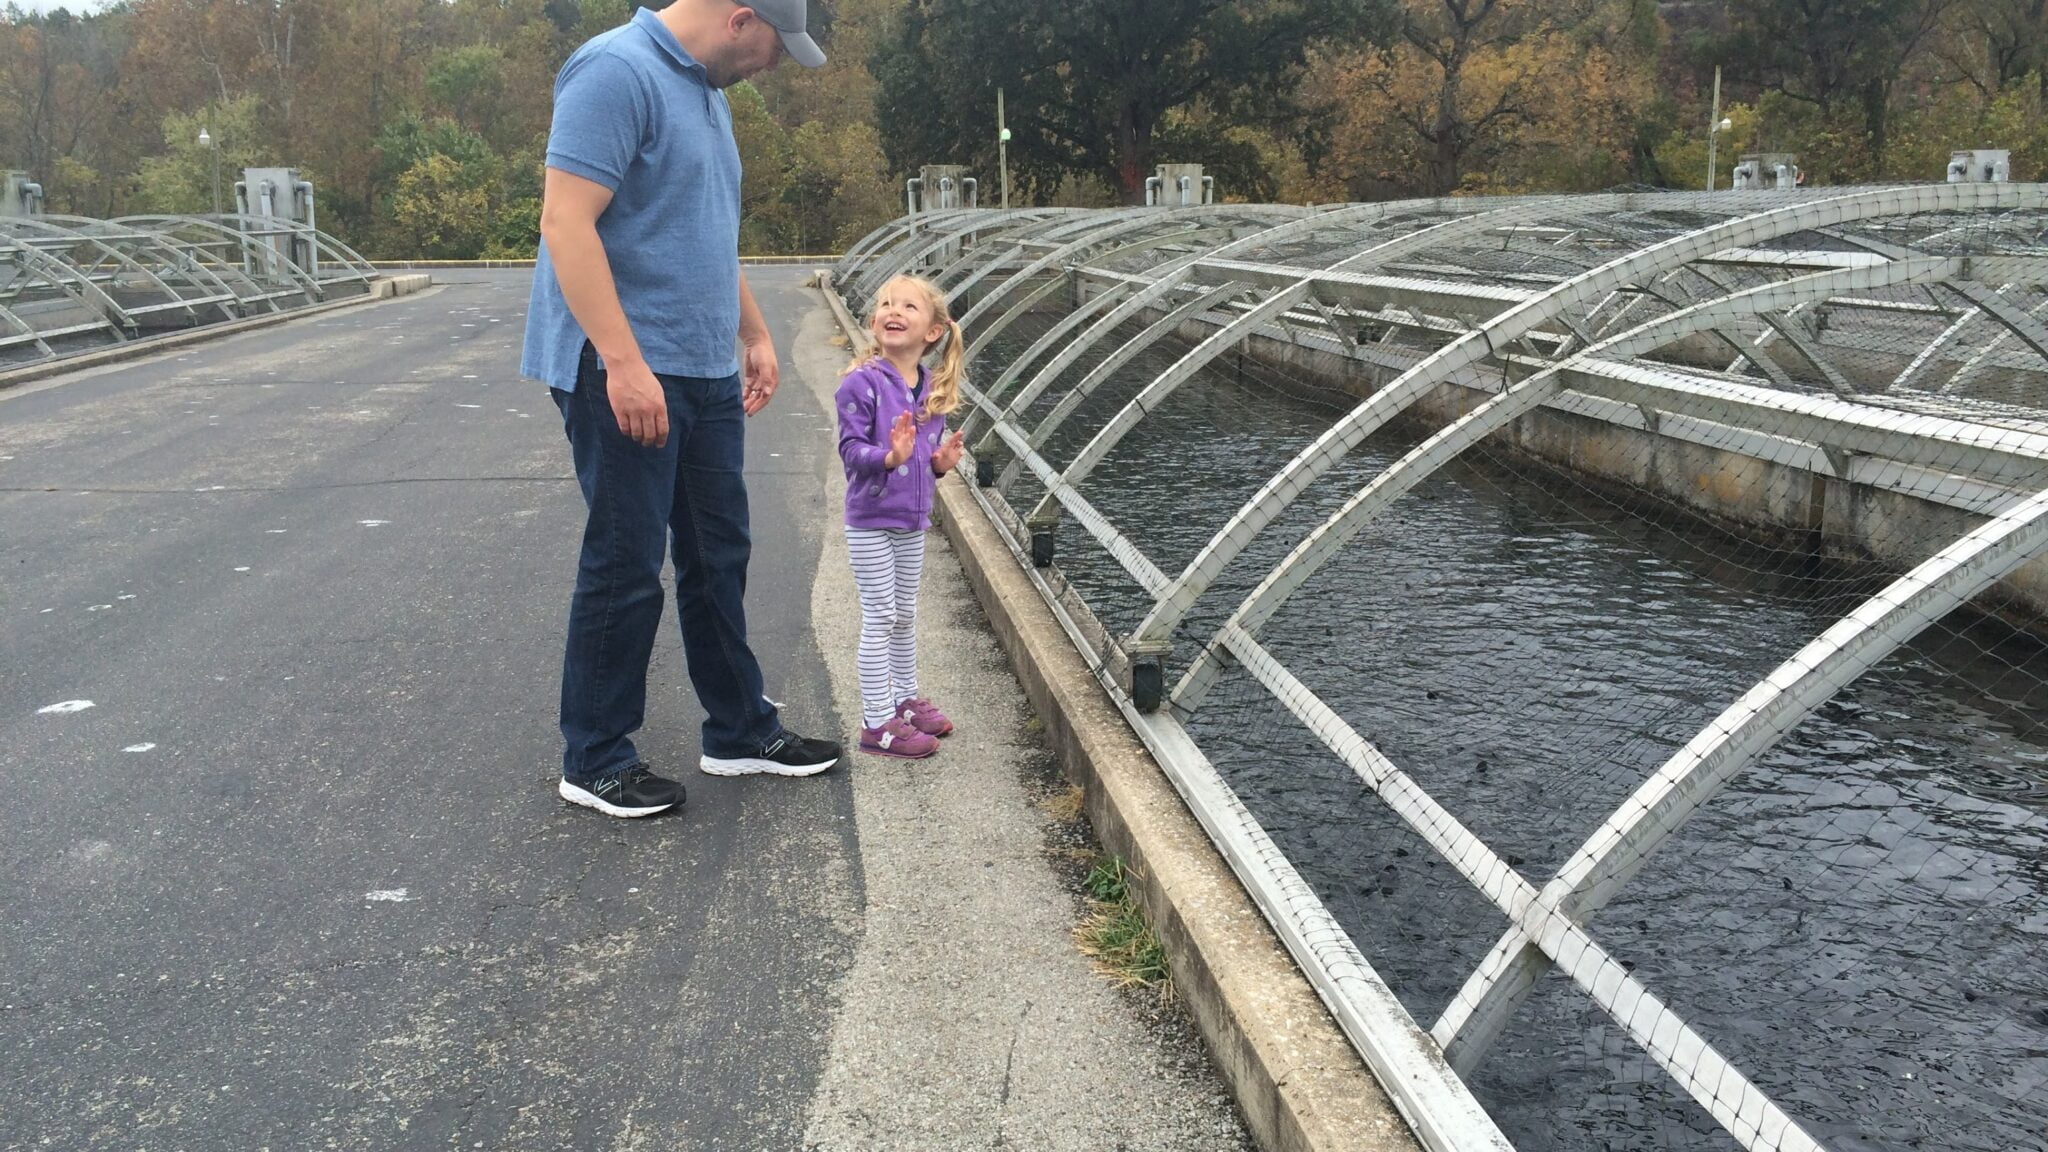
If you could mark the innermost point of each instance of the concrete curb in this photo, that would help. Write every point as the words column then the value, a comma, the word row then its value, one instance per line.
column 385, row 288
column 1301, row 1086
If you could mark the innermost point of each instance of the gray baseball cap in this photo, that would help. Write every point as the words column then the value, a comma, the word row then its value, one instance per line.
column 787, row 17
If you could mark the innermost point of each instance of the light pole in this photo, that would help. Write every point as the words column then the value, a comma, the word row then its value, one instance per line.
column 1003, row 147
column 1715, row 126
column 206, row 142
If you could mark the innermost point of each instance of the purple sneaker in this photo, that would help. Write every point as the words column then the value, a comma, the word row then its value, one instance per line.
column 897, row 738
column 925, row 718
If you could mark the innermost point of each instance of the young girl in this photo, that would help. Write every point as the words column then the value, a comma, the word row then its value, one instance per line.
column 892, row 439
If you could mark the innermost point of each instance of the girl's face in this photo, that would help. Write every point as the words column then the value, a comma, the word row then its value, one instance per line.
column 904, row 322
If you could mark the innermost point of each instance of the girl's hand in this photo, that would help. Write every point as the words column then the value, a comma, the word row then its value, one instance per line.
column 902, row 442
column 948, row 456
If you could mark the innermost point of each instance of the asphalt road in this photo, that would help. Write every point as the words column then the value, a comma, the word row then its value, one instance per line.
column 298, row 877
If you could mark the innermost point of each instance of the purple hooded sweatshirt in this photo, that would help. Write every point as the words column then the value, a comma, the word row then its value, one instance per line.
column 869, row 400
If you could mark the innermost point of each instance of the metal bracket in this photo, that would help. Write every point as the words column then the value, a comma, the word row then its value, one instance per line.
column 1148, row 684
column 1041, row 546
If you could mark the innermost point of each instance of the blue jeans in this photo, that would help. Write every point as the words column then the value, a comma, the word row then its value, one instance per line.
column 688, row 497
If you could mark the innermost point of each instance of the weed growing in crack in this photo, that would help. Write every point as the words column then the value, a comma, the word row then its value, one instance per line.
column 1115, row 935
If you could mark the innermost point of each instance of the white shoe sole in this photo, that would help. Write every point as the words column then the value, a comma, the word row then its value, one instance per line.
column 751, row 766
column 579, row 797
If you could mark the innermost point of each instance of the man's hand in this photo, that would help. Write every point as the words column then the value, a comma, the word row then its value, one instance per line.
column 638, row 402
column 947, row 457
column 760, row 373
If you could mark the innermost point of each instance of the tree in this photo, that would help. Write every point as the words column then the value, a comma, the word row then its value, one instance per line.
column 443, row 208
column 181, row 178
column 1090, row 84
column 1835, row 55
column 467, row 84
column 1994, row 43
column 1494, row 95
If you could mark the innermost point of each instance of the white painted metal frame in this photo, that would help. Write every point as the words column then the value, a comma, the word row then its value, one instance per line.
column 1501, row 330
column 70, row 269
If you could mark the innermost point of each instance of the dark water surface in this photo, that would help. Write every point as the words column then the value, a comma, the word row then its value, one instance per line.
column 1859, row 922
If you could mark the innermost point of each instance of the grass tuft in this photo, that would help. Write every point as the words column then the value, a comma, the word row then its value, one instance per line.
column 1066, row 806
column 1115, row 935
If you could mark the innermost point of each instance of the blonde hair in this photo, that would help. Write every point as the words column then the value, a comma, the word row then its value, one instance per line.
column 942, row 390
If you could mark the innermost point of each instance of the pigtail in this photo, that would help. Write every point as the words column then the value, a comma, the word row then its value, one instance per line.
column 864, row 350
column 942, row 394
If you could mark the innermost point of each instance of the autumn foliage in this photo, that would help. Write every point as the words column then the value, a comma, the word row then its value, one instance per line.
column 423, row 122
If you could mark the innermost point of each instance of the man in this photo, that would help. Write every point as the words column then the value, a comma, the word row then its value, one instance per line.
column 637, row 300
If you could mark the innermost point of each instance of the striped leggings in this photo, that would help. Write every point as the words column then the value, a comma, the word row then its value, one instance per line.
column 887, row 567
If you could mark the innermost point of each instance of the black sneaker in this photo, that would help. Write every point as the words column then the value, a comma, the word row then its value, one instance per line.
column 632, row 793
column 787, row 755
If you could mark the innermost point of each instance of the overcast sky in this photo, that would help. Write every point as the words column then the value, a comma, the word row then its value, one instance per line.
column 48, row 5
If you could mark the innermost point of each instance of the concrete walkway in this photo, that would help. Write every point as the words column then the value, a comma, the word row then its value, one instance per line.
column 968, row 1019
column 296, row 877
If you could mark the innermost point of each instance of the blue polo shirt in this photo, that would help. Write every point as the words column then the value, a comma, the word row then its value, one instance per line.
column 635, row 113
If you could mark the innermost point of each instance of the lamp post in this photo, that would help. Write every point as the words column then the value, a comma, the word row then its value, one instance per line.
column 206, row 142
column 1715, row 126
column 1003, row 147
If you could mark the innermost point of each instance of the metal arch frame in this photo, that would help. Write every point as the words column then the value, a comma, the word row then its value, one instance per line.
column 1168, row 279
column 76, row 286
column 197, row 273
column 1968, row 369
column 1061, row 490
column 873, row 241
column 992, row 256
column 256, row 228
column 2018, row 322
column 1025, row 222
column 1118, row 224
column 1173, row 281
column 1524, row 209
column 1020, row 309
column 1730, row 743
column 179, row 253
column 302, row 281
column 2020, row 533
column 66, row 227
column 983, row 337
column 74, row 259
column 1750, row 1116
column 910, row 252
column 1098, row 375
column 1310, row 464
column 1167, row 383
column 938, row 230
column 1525, row 395
column 1039, row 347
column 1173, row 277
column 905, row 228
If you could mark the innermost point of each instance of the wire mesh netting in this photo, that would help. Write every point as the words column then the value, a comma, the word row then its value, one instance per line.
column 1623, row 612
column 70, row 284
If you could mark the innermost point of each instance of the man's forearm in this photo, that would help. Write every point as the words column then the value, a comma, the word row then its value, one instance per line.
column 753, row 326
column 585, row 274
